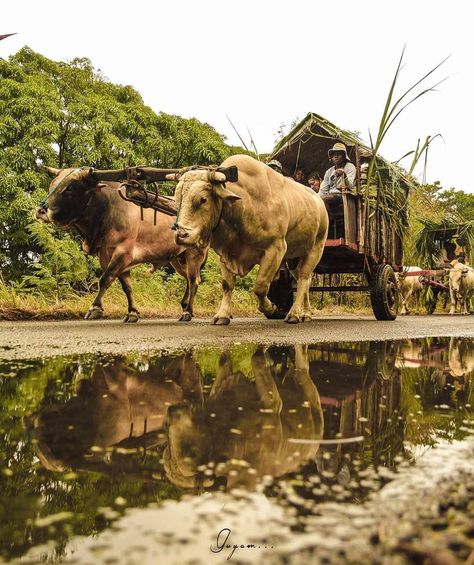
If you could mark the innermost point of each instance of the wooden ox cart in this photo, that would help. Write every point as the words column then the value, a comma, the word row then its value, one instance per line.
column 368, row 238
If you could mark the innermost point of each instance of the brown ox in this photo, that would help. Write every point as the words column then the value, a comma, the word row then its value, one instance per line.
column 265, row 219
column 112, row 229
column 249, row 429
column 461, row 287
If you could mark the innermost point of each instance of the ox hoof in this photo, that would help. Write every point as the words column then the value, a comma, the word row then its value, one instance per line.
column 291, row 319
column 94, row 313
column 185, row 317
column 221, row 321
column 307, row 318
column 131, row 318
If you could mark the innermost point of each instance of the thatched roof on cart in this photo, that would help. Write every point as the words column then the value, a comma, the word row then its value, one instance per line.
column 307, row 145
column 433, row 236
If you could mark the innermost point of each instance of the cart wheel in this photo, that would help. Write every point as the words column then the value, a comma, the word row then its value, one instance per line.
column 281, row 294
column 380, row 360
column 384, row 295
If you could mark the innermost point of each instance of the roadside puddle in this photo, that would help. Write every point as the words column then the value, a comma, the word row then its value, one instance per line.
column 86, row 438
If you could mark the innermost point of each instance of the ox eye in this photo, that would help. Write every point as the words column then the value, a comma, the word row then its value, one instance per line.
column 203, row 200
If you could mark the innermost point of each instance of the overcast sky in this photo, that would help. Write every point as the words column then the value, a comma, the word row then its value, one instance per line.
column 264, row 63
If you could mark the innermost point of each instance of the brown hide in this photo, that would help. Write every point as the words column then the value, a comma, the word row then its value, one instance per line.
column 114, row 230
column 117, row 406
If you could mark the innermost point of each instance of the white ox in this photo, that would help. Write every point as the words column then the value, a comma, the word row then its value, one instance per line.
column 461, row 287
column 265, row 219
column 409, row 286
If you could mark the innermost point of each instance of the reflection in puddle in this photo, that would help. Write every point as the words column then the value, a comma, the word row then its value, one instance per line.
column 84, row 437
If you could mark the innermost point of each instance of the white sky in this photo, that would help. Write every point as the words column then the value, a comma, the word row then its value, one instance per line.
column 267, row 62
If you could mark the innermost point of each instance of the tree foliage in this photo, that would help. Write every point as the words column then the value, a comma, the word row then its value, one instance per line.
column 67, row 114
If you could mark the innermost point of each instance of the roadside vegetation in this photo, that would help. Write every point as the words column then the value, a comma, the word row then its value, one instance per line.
column 68, row 114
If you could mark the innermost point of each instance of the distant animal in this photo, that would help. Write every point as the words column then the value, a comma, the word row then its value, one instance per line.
column 461, row 287
column 266, row 218
column 409, row 286
column 113, row 230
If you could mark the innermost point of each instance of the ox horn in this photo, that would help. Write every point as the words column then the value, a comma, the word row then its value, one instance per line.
column 215, row 177
column 82, row 173
column 52, row 171
column 173, row 176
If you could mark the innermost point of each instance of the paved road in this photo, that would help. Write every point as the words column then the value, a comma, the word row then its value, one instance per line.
column 43, row 339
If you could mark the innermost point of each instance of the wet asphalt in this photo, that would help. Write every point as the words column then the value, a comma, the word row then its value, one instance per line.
column 30, row 340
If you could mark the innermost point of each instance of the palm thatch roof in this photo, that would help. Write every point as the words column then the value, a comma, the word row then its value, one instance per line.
column 431, row 239
column 307, row 145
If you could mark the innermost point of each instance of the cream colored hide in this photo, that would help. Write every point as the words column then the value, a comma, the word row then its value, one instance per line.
column 461, row 287
column 262, row 219
column 409, row 286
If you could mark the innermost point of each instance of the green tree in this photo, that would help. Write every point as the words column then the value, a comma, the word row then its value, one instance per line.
column 67, row 114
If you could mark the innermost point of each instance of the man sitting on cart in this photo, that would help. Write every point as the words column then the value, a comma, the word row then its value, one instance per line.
column 338, row 179
column 341, row 176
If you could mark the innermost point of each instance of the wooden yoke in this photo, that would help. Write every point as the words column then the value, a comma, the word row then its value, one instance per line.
column 133, row 184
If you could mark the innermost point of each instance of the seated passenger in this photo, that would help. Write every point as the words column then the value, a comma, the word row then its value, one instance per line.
column 341, row 176
column 314, row 181
column 338, row 179
column 275, row 165
column 299, row 176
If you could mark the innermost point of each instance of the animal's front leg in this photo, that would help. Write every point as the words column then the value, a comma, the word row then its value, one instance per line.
column 452, row 296
column 118, row 263
column 269, row 265
column 195, row 259
column 180, row 267
column 224, row 314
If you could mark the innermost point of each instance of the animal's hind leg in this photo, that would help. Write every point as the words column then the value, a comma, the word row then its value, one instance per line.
column 126, row 281
column 307, row 314
column 305, row 271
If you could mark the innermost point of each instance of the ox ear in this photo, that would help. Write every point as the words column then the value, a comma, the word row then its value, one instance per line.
column 222, row 192
column 52, row 172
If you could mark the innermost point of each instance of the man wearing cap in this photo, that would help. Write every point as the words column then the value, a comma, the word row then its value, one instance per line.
column 341, row 176
column 275, row 165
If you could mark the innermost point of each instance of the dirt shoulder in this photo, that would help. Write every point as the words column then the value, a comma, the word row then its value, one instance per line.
column 28, row 340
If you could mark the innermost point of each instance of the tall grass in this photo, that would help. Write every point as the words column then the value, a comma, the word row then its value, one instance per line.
column 393, row 107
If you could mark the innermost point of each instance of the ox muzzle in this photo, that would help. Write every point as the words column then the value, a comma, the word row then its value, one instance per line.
column 42, row 212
